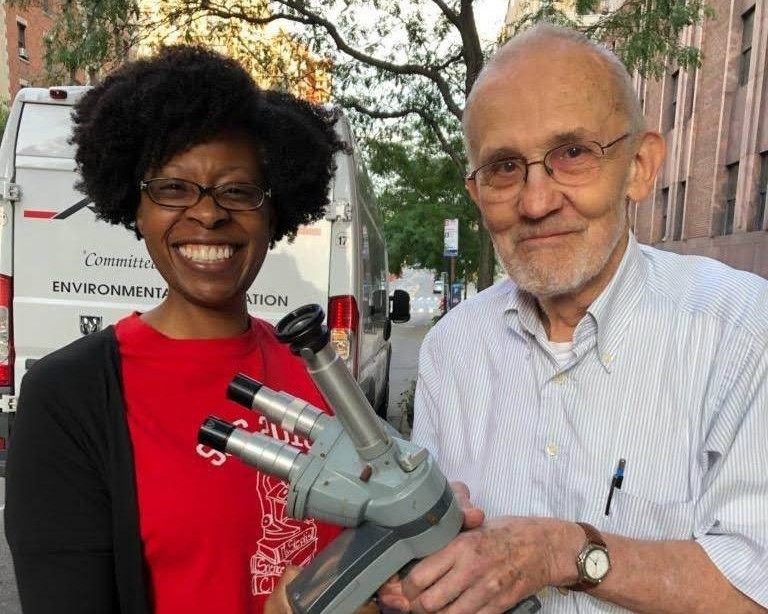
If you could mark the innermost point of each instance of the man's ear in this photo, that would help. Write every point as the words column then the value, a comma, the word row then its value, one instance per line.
column 471, row 186
column 645, row 165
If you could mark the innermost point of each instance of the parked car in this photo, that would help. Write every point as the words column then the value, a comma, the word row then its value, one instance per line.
column 438, row 286
column 64, row 274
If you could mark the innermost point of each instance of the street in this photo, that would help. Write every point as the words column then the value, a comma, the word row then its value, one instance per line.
column 406, row 340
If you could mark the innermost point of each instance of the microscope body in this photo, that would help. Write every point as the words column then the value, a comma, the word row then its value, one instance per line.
column 358, row 473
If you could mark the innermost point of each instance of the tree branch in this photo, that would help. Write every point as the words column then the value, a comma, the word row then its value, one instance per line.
column 449, row 14
column 307, row 17
column 427, row 117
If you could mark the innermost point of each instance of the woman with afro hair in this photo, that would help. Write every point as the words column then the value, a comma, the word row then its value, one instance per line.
column 112, row 506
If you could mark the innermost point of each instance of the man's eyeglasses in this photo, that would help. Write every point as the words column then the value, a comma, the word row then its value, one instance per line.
column 182, row 194
column 570, row 165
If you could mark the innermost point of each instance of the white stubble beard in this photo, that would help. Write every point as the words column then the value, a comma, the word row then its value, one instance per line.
column 583, row 265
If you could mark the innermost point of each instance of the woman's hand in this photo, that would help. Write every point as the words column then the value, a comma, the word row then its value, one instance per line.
column 277, row 603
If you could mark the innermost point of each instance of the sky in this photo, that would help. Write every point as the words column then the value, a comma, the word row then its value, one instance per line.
column 489, row 17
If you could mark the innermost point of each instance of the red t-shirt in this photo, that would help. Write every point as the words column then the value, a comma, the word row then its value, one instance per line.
column 215, row 532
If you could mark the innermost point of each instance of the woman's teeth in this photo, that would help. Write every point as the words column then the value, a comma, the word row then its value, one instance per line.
column 206, row 253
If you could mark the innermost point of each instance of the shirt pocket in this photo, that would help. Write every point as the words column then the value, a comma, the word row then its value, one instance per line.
column 641, row 518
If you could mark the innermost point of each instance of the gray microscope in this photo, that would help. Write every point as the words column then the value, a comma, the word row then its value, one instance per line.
column 357, row 474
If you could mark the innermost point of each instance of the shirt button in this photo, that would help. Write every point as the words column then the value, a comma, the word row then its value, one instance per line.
column 551, row 449
column 560, row 379
column 607, row 358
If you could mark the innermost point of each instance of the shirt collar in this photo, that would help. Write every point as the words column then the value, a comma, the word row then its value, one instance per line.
column 610, row 313
column 614, row 308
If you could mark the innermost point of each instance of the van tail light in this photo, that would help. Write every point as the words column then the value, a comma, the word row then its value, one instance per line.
column 343, row 324
column 6, row 338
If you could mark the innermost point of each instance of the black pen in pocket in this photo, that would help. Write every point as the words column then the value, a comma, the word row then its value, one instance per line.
column 616, row 481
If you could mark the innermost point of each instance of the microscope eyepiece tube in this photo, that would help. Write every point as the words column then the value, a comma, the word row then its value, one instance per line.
column 242, row 389
column 303, row 328
column 291, row 413
column 308, row 337
column 214, row 433
column 269, row 455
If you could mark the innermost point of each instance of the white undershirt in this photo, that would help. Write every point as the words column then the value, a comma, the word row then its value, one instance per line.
column 563, row 351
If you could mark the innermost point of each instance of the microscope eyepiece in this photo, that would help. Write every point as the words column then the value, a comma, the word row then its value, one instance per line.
column 303, row 328
column 242, row 389
column 214, row 433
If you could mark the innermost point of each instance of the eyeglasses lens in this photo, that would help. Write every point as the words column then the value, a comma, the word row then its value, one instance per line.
column 570, row 164
column 574, row 164
column 181, row 194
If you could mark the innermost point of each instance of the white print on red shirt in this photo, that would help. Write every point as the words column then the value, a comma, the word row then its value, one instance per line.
column 284, row 539
column 268, row 428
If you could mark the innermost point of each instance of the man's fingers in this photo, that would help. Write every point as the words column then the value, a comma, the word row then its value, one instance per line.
column 426, row 573
column 460, row 490
column 473, row 516
column 391, row 596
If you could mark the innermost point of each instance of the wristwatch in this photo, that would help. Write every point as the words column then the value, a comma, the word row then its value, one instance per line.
column 593, row 561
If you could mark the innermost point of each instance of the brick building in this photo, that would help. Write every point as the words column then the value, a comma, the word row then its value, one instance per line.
column 21, row 46
column 710, row 196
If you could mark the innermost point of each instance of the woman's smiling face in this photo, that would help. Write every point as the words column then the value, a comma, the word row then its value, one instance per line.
column 209, row 256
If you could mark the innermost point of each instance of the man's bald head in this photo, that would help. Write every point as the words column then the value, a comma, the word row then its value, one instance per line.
column 556, row 43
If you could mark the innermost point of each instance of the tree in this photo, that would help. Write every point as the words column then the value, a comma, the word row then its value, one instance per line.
column 415, row 62
column 275, row 59
column 5, row 111
column 417, row 190
column 87, row 36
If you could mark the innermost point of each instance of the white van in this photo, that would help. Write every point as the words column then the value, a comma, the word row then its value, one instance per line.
column 64, row 274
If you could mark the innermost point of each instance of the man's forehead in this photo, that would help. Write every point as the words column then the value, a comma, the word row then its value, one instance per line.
column 540, row 100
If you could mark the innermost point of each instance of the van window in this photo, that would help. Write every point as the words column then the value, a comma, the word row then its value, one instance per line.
column 45, row 131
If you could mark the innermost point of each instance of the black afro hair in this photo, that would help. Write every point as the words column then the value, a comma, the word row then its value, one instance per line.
column 150, row 110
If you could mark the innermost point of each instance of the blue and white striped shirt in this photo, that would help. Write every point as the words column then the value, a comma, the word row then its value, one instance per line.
column 670, row 373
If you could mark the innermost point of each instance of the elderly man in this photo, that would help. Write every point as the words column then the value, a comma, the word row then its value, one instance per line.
column 608, row 403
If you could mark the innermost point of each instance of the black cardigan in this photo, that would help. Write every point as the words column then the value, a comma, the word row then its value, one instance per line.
column 71, row 515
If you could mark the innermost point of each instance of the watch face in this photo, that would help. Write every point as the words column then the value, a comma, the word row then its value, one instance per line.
column 596, row 564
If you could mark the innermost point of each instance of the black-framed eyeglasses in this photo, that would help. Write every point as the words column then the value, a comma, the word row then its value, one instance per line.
column 570, row 164
column 182, row 194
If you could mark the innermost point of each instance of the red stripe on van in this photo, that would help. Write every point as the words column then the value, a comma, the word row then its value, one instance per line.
column 39, row 214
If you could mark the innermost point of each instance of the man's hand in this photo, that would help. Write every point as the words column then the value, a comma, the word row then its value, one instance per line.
column 391, row 594
column 489, row 569
column 473, row 516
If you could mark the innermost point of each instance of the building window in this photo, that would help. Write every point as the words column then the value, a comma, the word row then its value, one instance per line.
column 664, row 212
column 671, row 99
column 21, row 32
column 729, row 206
column 747, row 25
column 762, row 192
column 677, row 229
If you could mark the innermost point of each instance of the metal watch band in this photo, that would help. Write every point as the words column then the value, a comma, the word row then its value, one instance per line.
column 594, row 537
